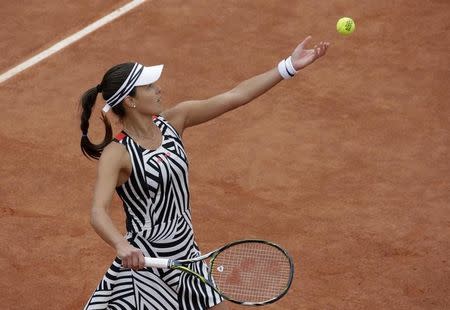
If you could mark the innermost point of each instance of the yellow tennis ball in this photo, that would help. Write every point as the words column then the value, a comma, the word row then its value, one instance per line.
column 345, row 26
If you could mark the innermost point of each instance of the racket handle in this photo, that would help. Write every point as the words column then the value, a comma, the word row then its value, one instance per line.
column 157, row 262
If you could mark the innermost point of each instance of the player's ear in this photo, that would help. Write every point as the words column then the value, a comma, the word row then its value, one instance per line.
column 128, row 102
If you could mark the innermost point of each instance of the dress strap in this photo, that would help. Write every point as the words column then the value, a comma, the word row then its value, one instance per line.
column 119, row 137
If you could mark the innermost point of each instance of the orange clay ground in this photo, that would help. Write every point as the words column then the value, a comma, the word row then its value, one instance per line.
column 347, row 165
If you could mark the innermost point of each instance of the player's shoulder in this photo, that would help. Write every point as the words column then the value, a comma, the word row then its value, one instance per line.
column 113, row 155
column 174, row 116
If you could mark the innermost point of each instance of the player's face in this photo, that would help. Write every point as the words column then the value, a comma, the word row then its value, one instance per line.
column 148, row 99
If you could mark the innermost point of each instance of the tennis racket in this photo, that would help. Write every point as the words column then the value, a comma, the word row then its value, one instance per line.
column 246, row 272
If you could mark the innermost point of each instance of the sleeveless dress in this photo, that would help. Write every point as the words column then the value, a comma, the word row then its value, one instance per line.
column 158, row 220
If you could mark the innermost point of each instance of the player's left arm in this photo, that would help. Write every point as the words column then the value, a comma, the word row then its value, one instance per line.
column 195, row 112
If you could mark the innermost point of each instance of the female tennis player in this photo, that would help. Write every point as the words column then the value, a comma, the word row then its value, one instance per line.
column 146, row 165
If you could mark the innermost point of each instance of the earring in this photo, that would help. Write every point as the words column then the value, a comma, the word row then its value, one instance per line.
column 134, row 106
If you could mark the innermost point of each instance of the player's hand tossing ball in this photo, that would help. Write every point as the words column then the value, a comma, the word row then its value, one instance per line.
column 345, row 26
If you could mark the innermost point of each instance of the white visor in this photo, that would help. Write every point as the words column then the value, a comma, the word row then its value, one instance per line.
column 138, row 76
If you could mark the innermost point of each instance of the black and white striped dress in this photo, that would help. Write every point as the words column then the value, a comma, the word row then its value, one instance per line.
column 156, row 203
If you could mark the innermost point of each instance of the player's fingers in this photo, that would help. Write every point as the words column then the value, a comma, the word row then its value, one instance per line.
column 325, row 47
column 322, row 49
column 135, row 261
column 141, row 261
column 305, row 41
column 125, row 263
column 316, row 51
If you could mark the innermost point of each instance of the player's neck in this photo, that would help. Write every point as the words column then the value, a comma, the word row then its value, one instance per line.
column 140, row 127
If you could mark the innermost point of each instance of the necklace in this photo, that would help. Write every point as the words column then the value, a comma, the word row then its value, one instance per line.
column 149, row 142
column 144, row 137
column 150, row 136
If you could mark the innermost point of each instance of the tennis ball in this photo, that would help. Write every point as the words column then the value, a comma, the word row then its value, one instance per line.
column 345, row 26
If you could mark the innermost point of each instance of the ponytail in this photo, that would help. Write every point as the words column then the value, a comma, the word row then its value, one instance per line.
column 89, row 149
column 111, row 82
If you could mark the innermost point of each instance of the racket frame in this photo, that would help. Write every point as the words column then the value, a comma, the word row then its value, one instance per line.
column 182, row 265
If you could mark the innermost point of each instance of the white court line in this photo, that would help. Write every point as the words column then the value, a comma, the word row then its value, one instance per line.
column 69, row 40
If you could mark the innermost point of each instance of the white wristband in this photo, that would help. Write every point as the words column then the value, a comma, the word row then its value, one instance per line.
column 283, row 71
column 286, row 69
column 290, row 67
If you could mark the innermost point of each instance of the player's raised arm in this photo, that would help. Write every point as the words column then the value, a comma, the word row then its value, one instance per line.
column 195, row 112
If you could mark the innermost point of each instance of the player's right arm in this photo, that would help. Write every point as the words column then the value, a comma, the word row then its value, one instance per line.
column 112, row 161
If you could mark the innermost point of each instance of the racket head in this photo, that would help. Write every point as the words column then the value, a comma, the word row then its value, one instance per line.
column 252, row 272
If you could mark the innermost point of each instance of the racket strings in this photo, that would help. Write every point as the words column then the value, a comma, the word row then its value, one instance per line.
column 252, row 272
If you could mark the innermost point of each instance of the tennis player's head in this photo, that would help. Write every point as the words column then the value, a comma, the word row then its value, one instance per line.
column 127, row 88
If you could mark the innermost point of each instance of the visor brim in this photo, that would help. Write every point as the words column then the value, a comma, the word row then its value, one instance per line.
column 149, row 75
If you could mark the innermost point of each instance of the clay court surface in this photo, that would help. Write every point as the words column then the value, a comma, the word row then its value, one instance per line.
column 347, row 165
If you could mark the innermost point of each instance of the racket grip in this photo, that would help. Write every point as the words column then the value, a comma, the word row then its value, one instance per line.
column 157, row 262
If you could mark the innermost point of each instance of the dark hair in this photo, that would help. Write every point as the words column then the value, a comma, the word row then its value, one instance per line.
column 111, row 82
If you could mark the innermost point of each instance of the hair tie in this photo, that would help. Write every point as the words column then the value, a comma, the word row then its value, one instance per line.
column 99, row 88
